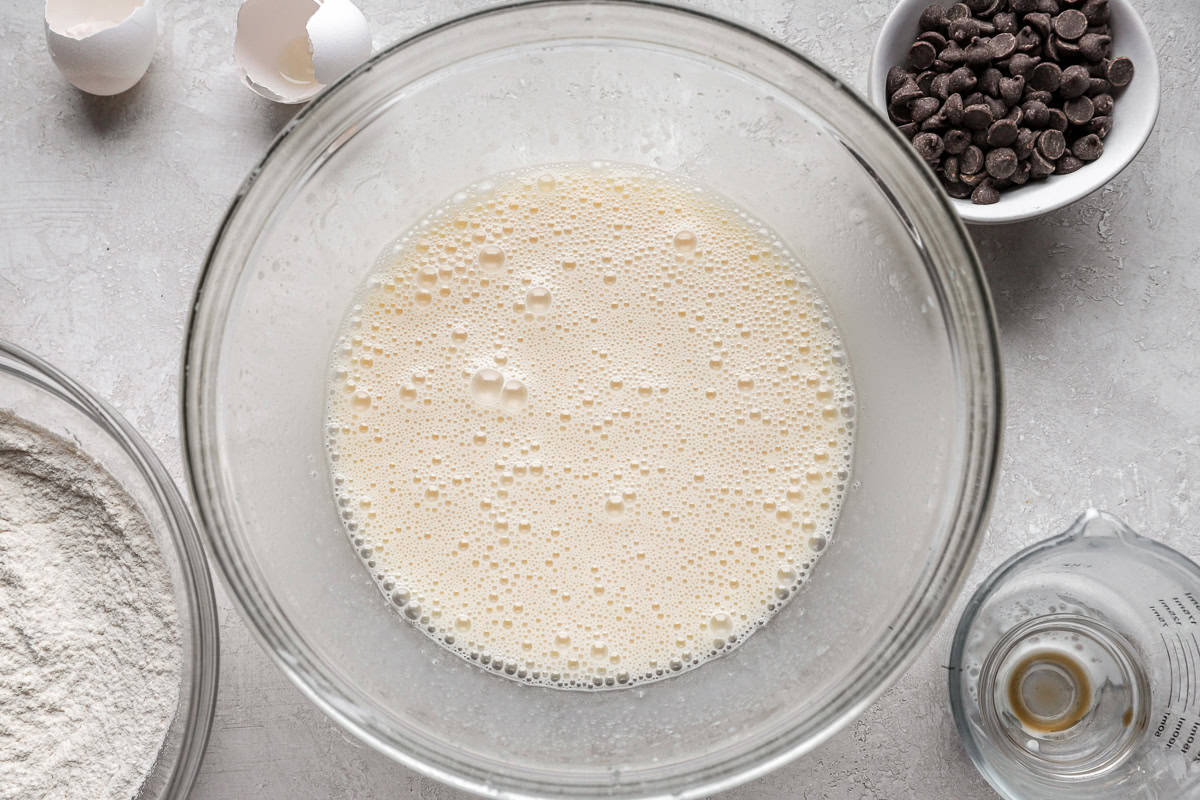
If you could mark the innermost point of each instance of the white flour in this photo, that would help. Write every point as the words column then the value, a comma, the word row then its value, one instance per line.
column 90, row 656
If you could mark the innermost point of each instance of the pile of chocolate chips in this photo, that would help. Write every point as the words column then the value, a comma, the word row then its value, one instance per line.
column 997, row 93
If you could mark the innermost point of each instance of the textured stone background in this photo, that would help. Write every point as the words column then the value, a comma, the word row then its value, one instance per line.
column 107, row 205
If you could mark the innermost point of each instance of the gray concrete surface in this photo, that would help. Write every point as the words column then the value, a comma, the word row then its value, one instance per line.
column 107, row 205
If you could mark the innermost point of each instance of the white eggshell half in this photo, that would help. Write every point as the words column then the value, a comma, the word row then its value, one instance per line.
column 291, row 49
column 101, row 46
column 340, row 37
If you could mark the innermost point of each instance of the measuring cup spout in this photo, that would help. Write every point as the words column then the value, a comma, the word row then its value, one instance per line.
column 1097, row 524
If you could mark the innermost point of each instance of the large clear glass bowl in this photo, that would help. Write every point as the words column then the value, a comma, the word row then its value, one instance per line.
column 577, row 81
column 39, row 393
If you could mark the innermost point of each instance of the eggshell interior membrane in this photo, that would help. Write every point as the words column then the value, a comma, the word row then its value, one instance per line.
column 340, row 39
column 290, row 49
column 269, row 33
column 81, row 18
column 101, row 46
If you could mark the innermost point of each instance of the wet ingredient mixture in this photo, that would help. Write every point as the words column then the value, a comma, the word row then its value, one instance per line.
column 589, row 425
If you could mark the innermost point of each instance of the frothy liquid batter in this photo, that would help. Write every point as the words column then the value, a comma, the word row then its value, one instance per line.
column 589, row 425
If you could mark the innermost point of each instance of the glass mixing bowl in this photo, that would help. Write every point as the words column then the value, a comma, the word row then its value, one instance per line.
column 576, row 81
column 39, row 393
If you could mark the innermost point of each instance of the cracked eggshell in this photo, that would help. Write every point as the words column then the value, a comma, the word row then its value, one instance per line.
column 103, row 47
column 289, row 50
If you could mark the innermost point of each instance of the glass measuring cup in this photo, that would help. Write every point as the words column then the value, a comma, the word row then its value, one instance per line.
column 1075, row 669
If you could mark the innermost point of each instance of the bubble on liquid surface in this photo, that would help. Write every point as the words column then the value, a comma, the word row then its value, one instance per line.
column 486, row 386
column 685, row 241
column 491, row 258
column 537, row 300
column 514, row 395
column 653, row 443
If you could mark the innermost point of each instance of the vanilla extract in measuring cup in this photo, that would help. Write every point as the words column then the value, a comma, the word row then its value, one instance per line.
column 1075, row 670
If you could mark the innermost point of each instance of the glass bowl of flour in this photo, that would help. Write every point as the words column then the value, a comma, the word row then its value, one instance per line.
column 592, row 399
column 108, row 675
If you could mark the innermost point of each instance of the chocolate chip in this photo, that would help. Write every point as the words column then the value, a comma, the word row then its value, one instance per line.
column 928, row 145
column 933, row 18
column 1103, row 104
column 985, row 194
column 1098, row 86
column 1040, row 22
column 1026, row 140
column 1100, row 126
column 1096, row 11
column 1098, row 69
column 1006, row 22
column 952, row 54
column 934, row 38
column 1071, row 24
column 1002, row 45
column 1011, row 89
column 952, row 109
column 1075, row 81
column 940, row 86
column 1027, row 40
column 1002, row 133
column 1061, row 49
column 896, row 77
column 1021, row 176
column 909, row 129
column 956, row 141
column 1021, row 64
column 1037, row 94
column 964, row 29
column 950, row 168
column 1067, row 164
column 978, row 117
column 957, row 11
column 972, row 178
column 921, row 55
column 1078, row 110
column 925, row 81
column 940, row 66
column 971, row 161
column 909, row 91
column 959, row 191
column 1046, row 77
column 1095, row 46
column 989, row 82
column 1088, row 148
column 923, row 108
column 1120, row 72
column 974, row 99
column 977, row 54
column 1015, row 115
column 962, row 80
column 1023, row 6
column 1040, row 166
column 1002, row 163
column 997, row 107
column 1051, row 144
column 1037, row 115
column 1058, row 120
column 936, row 123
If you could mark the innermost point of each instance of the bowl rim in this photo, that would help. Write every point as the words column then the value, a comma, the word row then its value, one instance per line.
column 902, row 19
column 963, row 292
column 199, row 698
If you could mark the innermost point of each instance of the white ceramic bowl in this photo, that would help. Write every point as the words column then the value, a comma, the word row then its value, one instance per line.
column 1133, row 118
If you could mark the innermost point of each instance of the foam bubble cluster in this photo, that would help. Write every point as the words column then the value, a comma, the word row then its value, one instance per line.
column 589, row 425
